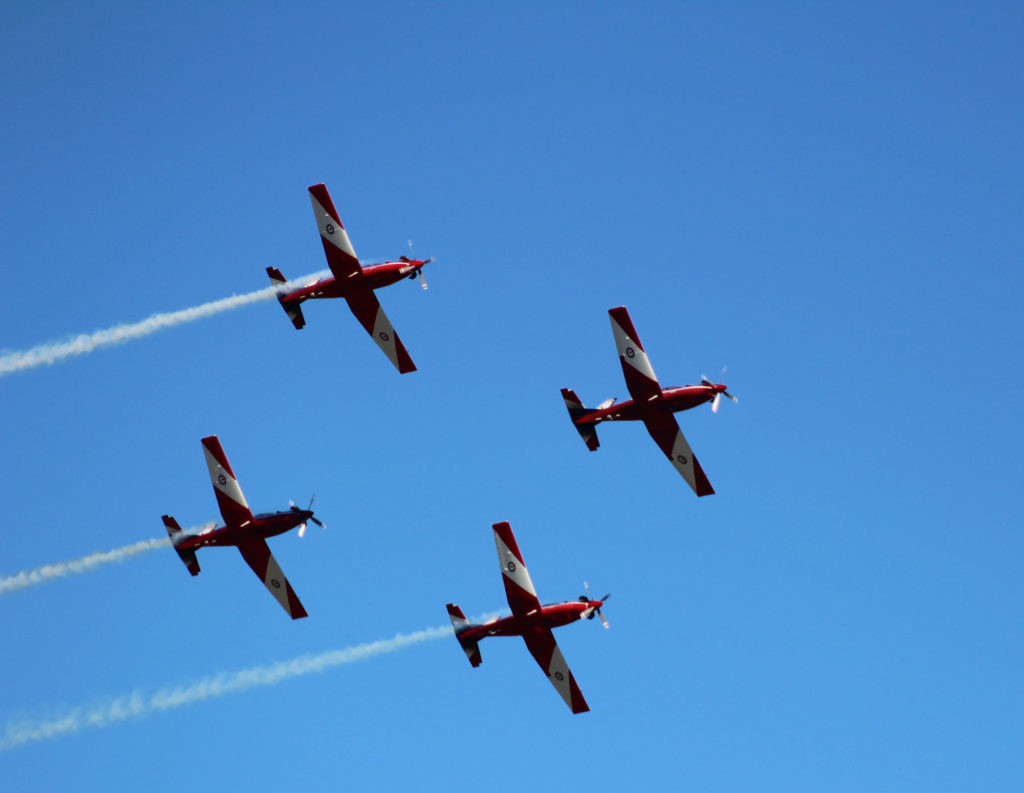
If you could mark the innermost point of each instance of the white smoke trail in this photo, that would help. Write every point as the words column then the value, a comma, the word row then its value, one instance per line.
column 138, row 704
column 41, row 575
column 52, row 352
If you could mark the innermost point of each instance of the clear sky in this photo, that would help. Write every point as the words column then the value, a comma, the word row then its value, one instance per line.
column 826, row 198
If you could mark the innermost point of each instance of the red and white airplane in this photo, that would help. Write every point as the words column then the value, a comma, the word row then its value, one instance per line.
column 351, row 281
column 529, row 619
column 242, row 529
column 651, row 404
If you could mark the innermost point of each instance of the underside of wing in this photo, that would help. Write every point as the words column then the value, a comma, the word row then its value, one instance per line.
column 341, row 256
column 666, row 433
column 258, row 556
column 542, row 646
column 371, row 316
column 233, row 506
column 522, row 597
column 636, row 367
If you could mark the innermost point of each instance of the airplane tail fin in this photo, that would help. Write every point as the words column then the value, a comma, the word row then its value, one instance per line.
column 175, row 533
column 469, row 646
column 293, row 308
column 576, row 410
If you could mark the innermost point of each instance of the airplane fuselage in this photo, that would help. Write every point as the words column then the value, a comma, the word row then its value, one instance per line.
column 373, row 276
column 266, row 524
column 670, row 400
column 554, row 615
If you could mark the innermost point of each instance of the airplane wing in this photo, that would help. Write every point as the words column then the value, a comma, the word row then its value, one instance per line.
column 232, row 503
column 522, row 597
column 636, row 367
column 366, row 307
column 666, row 433
column 257, row 555
column 341, row 256
column 542, row 646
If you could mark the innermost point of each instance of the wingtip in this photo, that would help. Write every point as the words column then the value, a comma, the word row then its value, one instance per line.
column 404, row 363
column 704, row 487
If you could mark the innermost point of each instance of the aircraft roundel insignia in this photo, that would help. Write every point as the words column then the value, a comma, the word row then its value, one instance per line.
column 275, row 583
column 682, row 459
column 384, row 336
column 222, row 479
column 511, row 567
column 329, row 228
column 630, row 352
column 559, row 676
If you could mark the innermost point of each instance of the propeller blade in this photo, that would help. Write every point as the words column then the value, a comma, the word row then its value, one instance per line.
column 423, row 280
column 302, row 530
column 715, row 401
column 590, row 612
column 704, row 380
column 318, row 522
column 734, row 399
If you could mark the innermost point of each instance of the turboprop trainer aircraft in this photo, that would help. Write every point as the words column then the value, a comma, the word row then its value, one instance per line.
column 529, row 619
column 351, row 281
column 650, row 404
column 242, row 529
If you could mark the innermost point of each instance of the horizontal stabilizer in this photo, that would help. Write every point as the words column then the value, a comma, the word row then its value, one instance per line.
column 175, row 533
column 470, row 647
column 293, row 308
column 576, row 410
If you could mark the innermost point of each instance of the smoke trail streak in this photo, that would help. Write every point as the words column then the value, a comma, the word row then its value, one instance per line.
column 52, row 352
column 40, row 575
column 138, row 704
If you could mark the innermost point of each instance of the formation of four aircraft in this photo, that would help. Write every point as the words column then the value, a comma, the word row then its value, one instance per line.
column 650, row 403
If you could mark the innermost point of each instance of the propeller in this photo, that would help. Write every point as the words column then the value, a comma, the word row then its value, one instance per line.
column 419, row 272
column 715, row 402
column 590, row 612
column 309, row 509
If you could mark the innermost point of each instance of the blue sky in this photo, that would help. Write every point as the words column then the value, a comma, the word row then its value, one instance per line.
column 826, row 198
